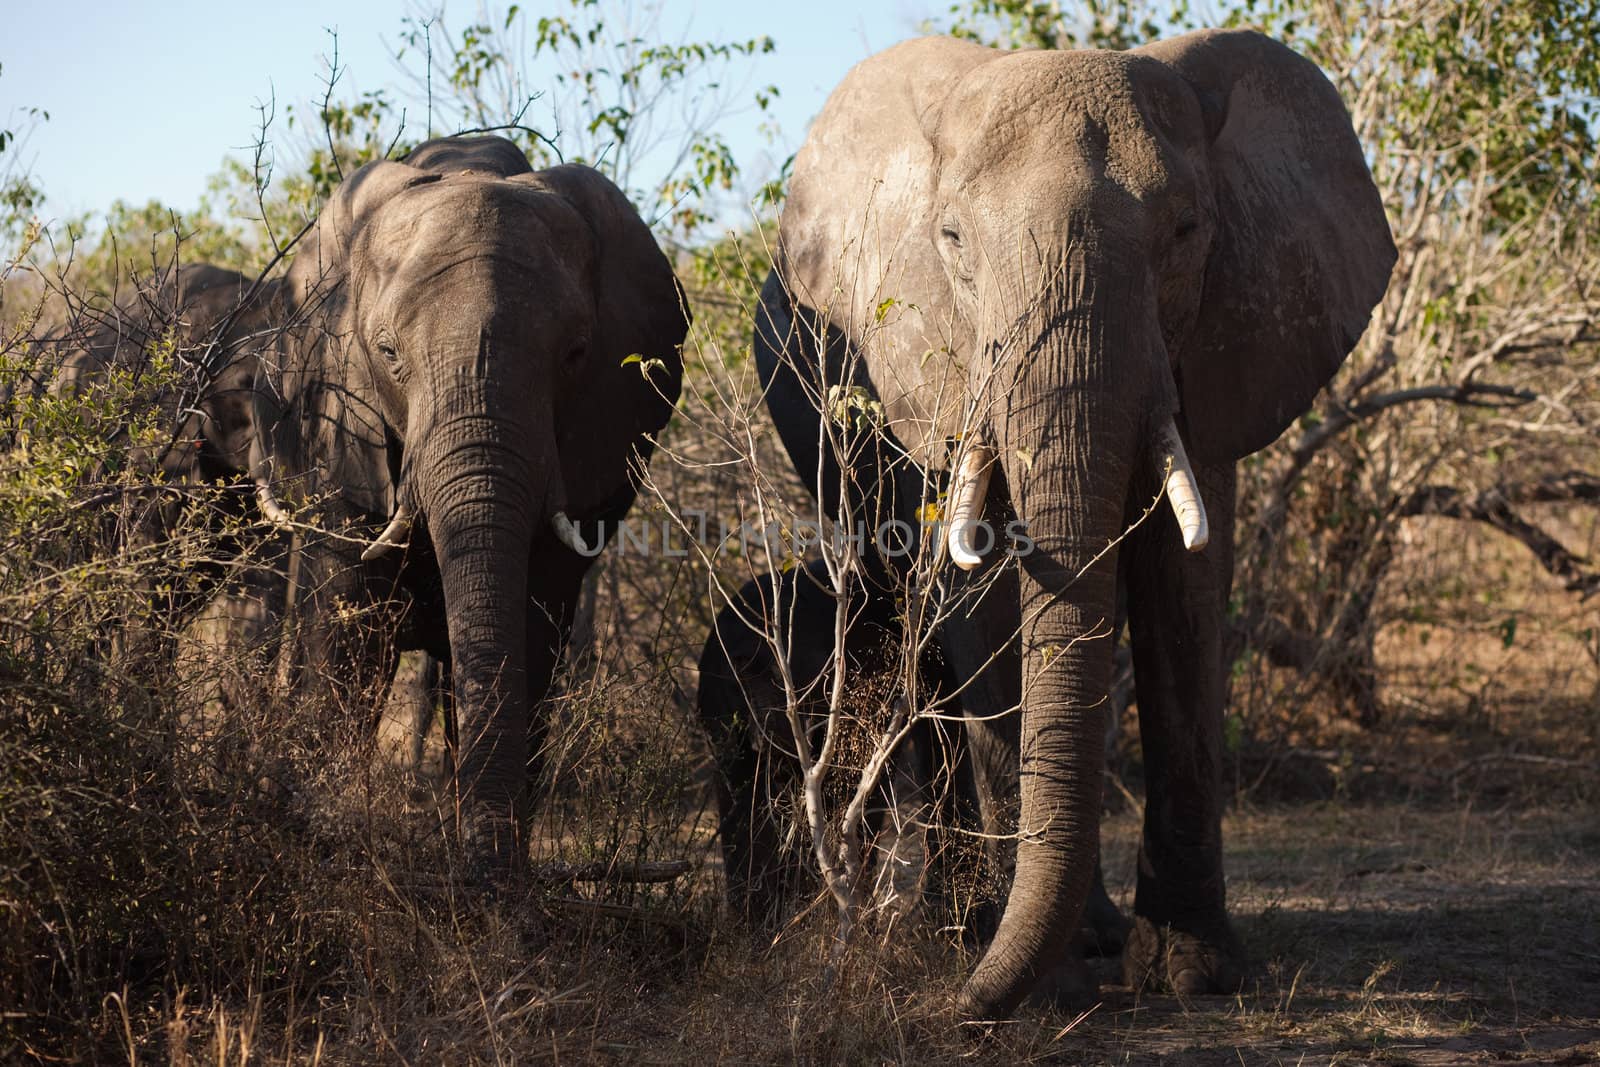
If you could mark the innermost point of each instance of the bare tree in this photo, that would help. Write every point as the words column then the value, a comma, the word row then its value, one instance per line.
column 1473, row 394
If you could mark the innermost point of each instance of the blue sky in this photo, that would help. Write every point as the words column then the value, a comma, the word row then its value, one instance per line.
column 146, row 100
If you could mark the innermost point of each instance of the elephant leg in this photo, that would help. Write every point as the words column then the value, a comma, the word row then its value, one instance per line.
column 230, row 644
column 741, row 713
column 343, row 650
column 914, row 792
column 554, row 587
column 1105, row 928
column 1181, row 938
column 408, row 714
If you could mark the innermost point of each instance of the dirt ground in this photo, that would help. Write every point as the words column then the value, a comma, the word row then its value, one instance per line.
column 1384, row 933
column 1379, row 931
column 1427, row 893
column 1424, row 893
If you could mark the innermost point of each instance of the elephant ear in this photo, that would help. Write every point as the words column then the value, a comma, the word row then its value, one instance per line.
column 1303, row 250
column 634, row 367
column 316, row 421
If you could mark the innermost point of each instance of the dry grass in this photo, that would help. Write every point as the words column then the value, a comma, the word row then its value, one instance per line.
column 265, row 889
column 1431, row 915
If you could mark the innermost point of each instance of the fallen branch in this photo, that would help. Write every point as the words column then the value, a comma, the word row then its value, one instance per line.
column 608, row 910
column 1493, row 506
column 1524, row 758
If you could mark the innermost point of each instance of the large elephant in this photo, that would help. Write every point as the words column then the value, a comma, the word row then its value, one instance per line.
column 453, row 411
column 1075, row 280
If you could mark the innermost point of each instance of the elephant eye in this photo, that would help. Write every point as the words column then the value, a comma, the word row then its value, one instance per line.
column 1186, row 226
column 390, row 356
column 954, row 254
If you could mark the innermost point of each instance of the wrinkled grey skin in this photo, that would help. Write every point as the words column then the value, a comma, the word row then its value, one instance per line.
column 409, row 712
column 455, row 334
column 216, row 317
column 1082, row 244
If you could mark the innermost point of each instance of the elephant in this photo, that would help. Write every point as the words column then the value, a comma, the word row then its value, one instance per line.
column 216, row 316
column 1067, row 284
column 472, row 360
column 180, row 347
column 219, row 320
column 213, row 318
column 742, row 703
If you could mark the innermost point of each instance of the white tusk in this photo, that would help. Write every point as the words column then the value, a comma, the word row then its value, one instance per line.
column 968, row 489
column 261, row 461
column 567, row 531
column 1183, row 492
column 269, row 504
column 392, row 535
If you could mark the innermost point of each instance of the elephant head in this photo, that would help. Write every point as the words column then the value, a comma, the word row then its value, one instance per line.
column 455, row 356
column 216, row 318
column 1070, row 268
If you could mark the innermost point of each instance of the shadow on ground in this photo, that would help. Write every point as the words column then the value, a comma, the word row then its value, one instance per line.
column 1384, row 934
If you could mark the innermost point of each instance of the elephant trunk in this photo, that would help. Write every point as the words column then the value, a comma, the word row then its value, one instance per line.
column 1066, row 673
column 487, row 485
column 1068, row 453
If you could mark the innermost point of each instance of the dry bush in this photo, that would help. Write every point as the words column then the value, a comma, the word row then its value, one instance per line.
column 133, row 850
column 196, row 868
column 1471, row 402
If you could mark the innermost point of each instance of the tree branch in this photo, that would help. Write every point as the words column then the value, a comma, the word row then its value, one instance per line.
column 1493, row 506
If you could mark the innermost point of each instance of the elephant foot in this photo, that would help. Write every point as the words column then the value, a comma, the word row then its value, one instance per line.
column 494, row 850
column 1164, row 958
